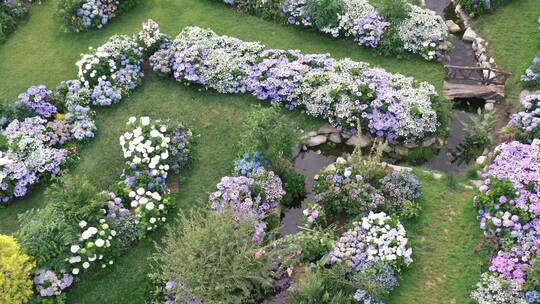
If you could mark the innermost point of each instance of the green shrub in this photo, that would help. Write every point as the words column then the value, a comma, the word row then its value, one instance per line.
column 16, row 269
column 267, row 9
column 324, row 13
column 293, row 183
column 268, row 131
column 533, row 275
column 477, row 137
column 8, row 23
column 46, row 233
column 66, row 12
column 214, row 258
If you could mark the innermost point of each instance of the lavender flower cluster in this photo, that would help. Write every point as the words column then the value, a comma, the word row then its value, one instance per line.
column 527, row 122
column 38, row 98
column 531, row 76
column 388, row 105
column 509, row 213
column 86, row 14
column 254, row 196
column 48, row 284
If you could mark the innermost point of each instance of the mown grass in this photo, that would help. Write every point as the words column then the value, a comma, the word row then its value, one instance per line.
column 443, row 238
column 513, row 38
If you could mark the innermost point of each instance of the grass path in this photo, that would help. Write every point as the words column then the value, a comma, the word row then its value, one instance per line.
column 443, row 238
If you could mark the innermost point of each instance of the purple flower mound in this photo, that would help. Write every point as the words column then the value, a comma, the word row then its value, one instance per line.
column 382, row 113
column 105, row 94
column 528, row 121
column 280, row 73
column 520, row 164
column 369, row 29
column 188, row 64
column 509, row 266
column 295, row 12
column 48, row 284
column 37, row 98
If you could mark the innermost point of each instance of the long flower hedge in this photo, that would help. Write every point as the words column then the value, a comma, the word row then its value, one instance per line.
column 509, row 215
column 421, row 31
column 391, row 106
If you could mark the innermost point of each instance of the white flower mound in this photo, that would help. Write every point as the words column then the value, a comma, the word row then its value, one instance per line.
column 378, row 237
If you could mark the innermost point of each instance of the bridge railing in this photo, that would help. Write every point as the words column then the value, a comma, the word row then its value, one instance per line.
column 485, row 76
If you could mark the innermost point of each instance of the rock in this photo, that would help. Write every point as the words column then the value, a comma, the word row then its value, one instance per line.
column 402, row 151
column 327, row 129
column 477, row 183
column 483, row 58
column 312, row 134
column 388, row 149
column 296, row 150
column 481, row 160
column 489, row 106
column 491, row 60
column 346, row 134
column 446, row 45
column 428, row 142
column 479, row 40
column 400, row 168
column 363, row 140
column 335, row 138
column 410, row 145
column 452, row 26
column 316, row 140
column 469, row 35
column 437, row 176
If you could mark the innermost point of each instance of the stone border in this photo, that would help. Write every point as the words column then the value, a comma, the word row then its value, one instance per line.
column 327, row 133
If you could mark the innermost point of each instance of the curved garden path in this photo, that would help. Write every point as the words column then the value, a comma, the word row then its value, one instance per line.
column 443, row 237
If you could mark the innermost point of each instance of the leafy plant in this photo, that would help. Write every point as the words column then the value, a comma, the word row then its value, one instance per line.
column 324, row 13
column 268, row 131
column 478, row 137
column 213, row 259
column 46, row 233
column 269, row 9
column 293, row 182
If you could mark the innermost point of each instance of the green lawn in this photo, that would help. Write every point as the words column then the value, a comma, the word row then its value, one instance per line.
column 514, row 39
column 443, row 238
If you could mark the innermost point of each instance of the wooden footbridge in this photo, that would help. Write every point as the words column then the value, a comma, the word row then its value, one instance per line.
column 474, row 82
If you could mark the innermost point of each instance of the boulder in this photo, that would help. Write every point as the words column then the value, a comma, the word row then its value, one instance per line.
column 452, row 26
column 316, row 140
column 312, row 133
column 335, row 138
column 402, row 151
column 364, row 141
column 327, row 129
column 411, row 145
column 399, row 168
column 469, row 35
column 296, row 150
column 489, row 106
column 428, row 142
column 481, row 160
column 346, row 134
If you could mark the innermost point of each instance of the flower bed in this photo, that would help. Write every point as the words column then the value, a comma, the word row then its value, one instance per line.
column 109, row 222
column 362, row 263
column 82, row 15
column 420, row 31
column 527, row 122
column 40, row 131
column 11, row 13
column 509, row 214
column 343, row 92
column 531, row 76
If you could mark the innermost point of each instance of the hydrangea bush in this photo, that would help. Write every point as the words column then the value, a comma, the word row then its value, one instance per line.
column 527, row 122
column 509, row 214
column 388, row 105
column 82, row 15
column 42, row 126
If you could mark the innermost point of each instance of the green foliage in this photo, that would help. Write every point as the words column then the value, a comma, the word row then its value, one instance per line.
column 394, row 11
column 324, row 13
column 214, row 257
column 267, row 9
column 312, row 245
column 443, row 108
column 410, row 209
column 66, row 14
column 268, row 131
column 16, row 269
column 477, row 139
column 533, row 275
column 293, row 182
column 46, row 233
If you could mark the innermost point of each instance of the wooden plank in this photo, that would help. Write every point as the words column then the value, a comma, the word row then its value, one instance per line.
column 486, row 92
